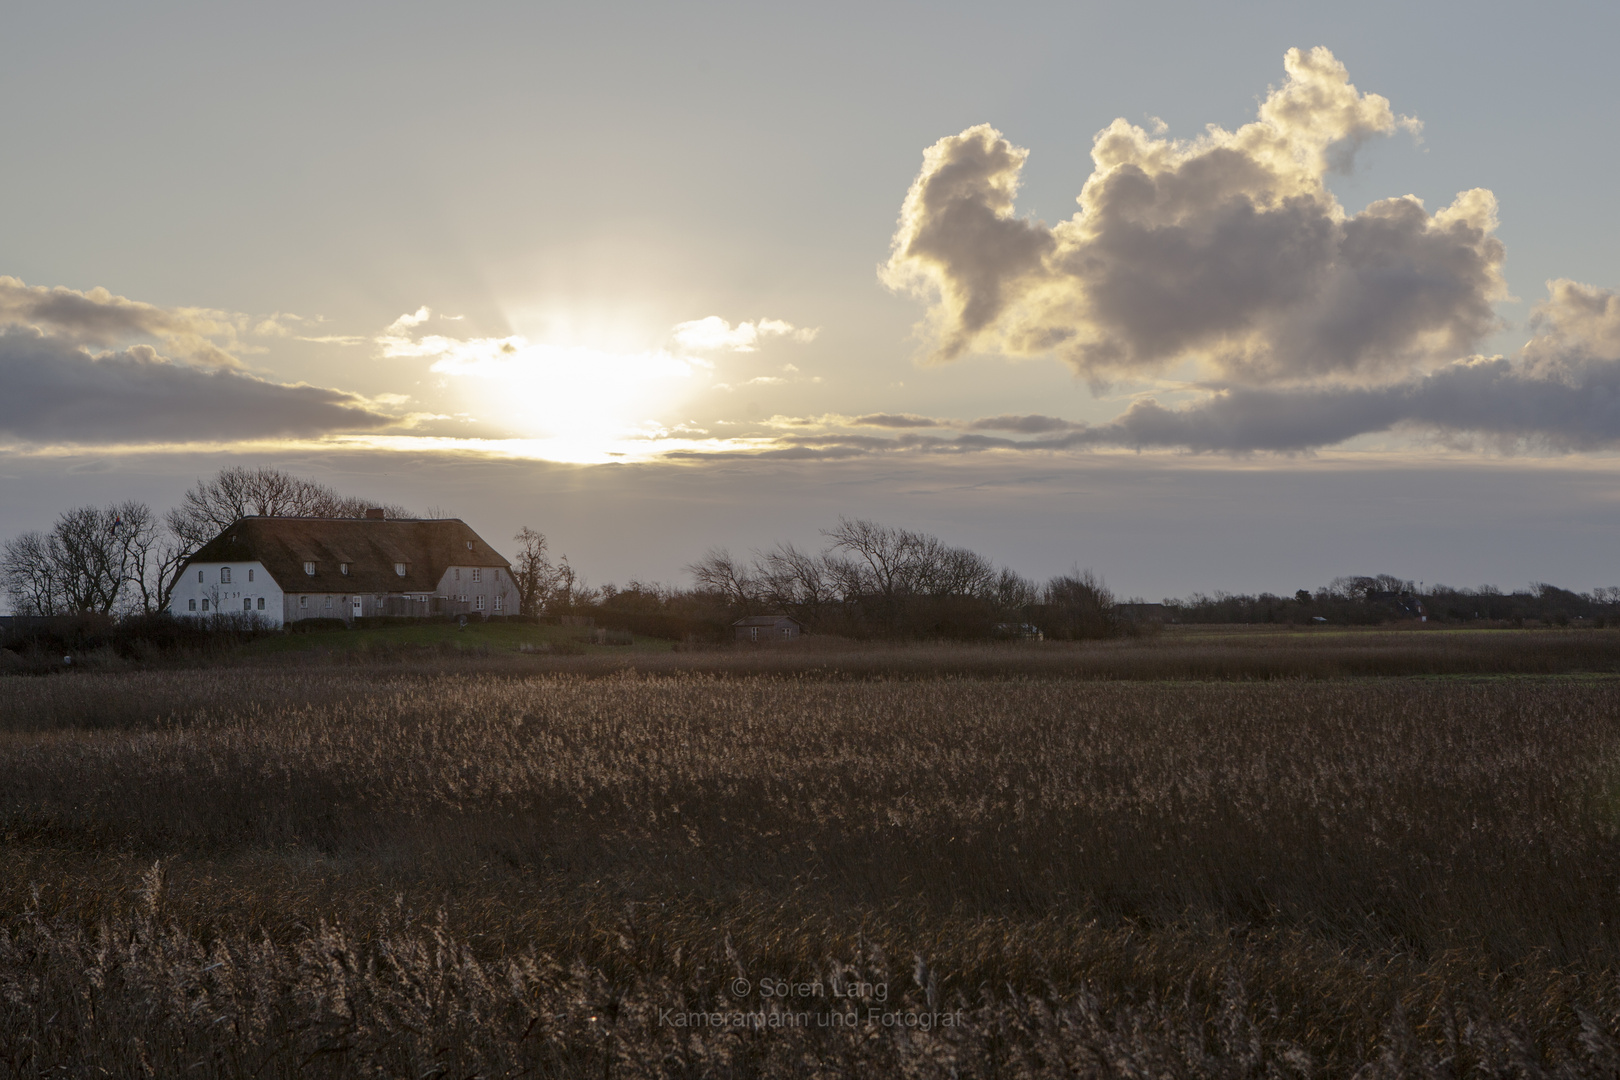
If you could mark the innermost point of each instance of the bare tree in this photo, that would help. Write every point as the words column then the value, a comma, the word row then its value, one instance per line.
column 153, row 556
column 790, row 579
column 28, row 571
column 1361, row 587
column 90, row 571
column 882, row 561
column 536, row 577
column 570, row 590
column 948, row 571
column 1014, row 592
column 886, row 569
column 236, row 492
column 718, row 572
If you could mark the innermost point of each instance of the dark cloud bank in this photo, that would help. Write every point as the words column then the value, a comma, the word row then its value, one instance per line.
column 58, row 391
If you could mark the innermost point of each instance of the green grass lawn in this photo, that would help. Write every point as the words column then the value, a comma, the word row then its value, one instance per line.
column 508, row 637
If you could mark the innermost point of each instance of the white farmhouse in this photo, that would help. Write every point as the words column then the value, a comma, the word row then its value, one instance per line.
column 282, row 569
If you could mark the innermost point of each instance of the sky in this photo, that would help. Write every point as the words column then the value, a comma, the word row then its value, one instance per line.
column 1198, row 296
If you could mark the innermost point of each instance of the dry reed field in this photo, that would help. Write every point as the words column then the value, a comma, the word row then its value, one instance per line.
column 346, row 870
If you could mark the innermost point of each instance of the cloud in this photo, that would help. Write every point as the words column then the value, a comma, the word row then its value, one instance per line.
column 714, row 333
column 99, row 318
column 1227, row 249
column 409, row 321
column 1561, row 394
column 1492, row 399
column 896, row 420
column 58, row 392
column 1575, row 326
column 1023, row 425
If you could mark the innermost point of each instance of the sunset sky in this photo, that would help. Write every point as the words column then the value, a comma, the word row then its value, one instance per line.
column 1197, row 296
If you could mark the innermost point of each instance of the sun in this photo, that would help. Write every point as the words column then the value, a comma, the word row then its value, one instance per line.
column 580, row 403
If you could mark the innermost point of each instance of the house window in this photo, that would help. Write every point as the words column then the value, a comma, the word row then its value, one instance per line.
column 480, row 604
column 261, row 603
column 787, row 631
column 224, row 575
column 478, row 575
column 328, row 603
column 455, row 574
column 191, row 605
column 303, row 601
column 343, row 568
column 469, row 545
column 247, row 605
column 205, row 603
column 199, row 577
column 399, row 568
column 309, row 568
column 498, row 603
column 753, row 633
column 250, row 573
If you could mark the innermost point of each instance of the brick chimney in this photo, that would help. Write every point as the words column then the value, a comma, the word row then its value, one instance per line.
column 375, row 513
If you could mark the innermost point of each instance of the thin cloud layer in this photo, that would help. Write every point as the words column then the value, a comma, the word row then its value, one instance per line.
column 895, row 420
column 58, row 392
column 1228, row 250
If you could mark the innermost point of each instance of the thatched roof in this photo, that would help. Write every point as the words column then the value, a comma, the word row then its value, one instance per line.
column 371, row 547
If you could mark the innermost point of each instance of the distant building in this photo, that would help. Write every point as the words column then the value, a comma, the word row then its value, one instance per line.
column 1142, row 612
column 768, row 628
column 282, row 569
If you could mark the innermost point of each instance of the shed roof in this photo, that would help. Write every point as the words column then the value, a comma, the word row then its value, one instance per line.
column 371, row 547
column 766, row 620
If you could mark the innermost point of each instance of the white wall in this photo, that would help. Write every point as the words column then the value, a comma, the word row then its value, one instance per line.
column 249, row 583
column 280, row 608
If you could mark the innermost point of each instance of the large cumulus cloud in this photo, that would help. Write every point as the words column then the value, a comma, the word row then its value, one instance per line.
column 1228, row 250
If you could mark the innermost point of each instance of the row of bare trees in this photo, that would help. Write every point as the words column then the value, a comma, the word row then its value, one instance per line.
column 95, row 559
column 879, row 579
column 125, row 558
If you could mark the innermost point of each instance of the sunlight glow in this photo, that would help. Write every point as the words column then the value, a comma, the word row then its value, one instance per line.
column 577, row 401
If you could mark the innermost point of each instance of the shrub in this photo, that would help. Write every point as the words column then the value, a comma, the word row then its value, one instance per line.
column 309, row 626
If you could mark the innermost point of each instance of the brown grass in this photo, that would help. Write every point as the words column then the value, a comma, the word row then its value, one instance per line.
column 1192, row 652
column 355, row 871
